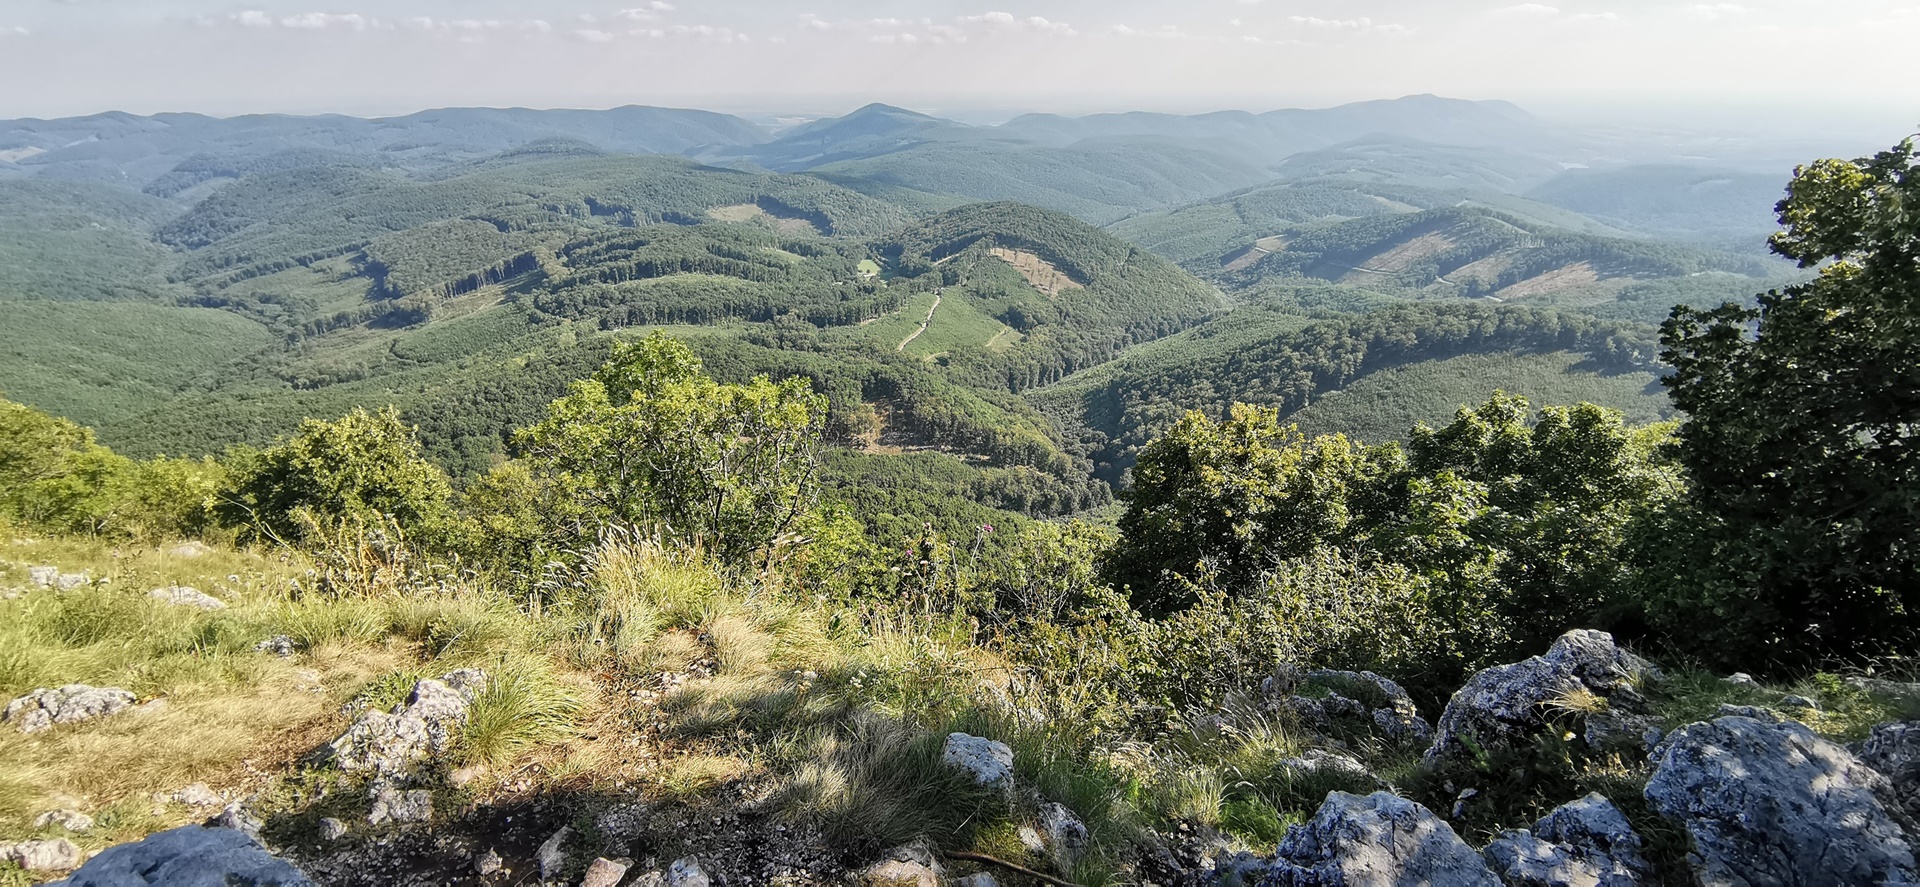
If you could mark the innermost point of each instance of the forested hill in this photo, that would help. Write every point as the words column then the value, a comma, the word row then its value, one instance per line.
column 1069, row 295
column 1279, row 361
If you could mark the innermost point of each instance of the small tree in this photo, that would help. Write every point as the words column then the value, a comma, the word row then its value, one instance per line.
column 652, row 443
column 1801, row 535
column 361, row 467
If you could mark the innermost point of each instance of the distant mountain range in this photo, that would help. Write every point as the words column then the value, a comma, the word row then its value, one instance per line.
column 1101, row 167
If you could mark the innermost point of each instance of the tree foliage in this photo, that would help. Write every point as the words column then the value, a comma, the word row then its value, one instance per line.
column 362, row 467
column 652, row 443
column 1512, row 525
column 1802, row 531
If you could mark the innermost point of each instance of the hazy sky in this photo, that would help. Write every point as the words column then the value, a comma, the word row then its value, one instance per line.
column 60, row 57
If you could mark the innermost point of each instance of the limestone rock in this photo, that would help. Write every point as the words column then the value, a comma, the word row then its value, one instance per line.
column 1377, row 839
column 488, row 863
column 605, row 872
column 71, row 820
column 57, row 855
column 279, row 645
column 71, row 581
column 897, row 873
column 1586, row 843
column 196, row 795
column 238, row 817
column 1742, row 679
column 187, row 596
column 1506, row 703
column 44, row 708
column 687, row 873
column 1773, row 803
column 913, row 865
column 332, row 829
column 1066, row 835
column 390, row 804
column 1801, row 703
column 190, row 856
column 977, row 879
column 390, row 743
column 990, row 762
column 44, row 577
column 190, row 550
column 1894, row 750
column 1317, row 761
column 1889, row 689
column 552, row 855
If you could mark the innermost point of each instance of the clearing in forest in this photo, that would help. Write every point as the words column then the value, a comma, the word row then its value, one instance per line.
column 1038, row 271
column 753, row 212
column 1404, row 255
column 1580, row 274
column 1260, row 249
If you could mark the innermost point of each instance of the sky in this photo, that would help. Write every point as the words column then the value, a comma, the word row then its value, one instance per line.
column 1836, row 59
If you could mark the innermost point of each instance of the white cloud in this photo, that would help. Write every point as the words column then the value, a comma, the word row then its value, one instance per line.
column 13, row 31
column 1007, row 21
column 594, row 36
column 315, row 21
column 1531, row 9
column 1164, row 32
column 1717, row 10
column 1359, row 25
column 254, row 18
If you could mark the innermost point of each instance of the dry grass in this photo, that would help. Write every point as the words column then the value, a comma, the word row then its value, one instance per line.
column 1039, row 272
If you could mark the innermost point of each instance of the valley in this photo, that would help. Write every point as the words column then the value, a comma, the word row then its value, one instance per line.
column 503, row 496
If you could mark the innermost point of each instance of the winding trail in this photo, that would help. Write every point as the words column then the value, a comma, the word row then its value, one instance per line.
column 923, row 324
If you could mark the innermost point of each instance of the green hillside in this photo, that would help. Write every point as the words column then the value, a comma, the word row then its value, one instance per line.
column 76, row 242
column 1282, row 363
column 103, row 363
column 1382, row 406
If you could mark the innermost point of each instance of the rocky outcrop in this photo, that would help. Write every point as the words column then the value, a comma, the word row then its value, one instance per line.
column 71, row 820
column 1586, row 843
column 72, row 704
column 189, row 857
column 1894, row 750
column 389, row 744
column 1377, row 839
column 186, row 596
column 1508, row 703
column 57, row 855
column 392, row 805
column 1065, row 834
column 1349, row 699
column 990, row 762
column 1772, row 803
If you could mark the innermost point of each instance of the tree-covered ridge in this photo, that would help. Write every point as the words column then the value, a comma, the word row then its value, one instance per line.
column 1473, row 252
column 266, row 222
column 1203, row 237
column 1120, row 295
column 71, row 242
column 1132, row 402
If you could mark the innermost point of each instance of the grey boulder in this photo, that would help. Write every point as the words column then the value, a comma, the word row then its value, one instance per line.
column 186, row 596
column 1379, row 839
column 390, row 743
column 1894, row 750
column 71, row 820
column 1770, row 802
column 189, row 856
column 1586, row 843
column 72, row 704
column 1507, row 703
column 990, row 762
column 57, row 855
